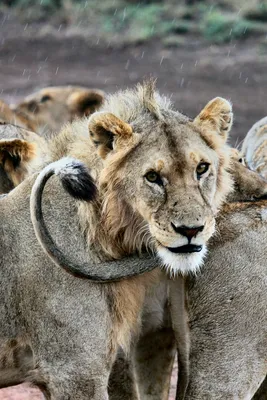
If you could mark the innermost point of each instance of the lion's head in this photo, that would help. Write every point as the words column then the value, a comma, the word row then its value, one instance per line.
column 164, row 175
column 51, row 107
column 249, row 185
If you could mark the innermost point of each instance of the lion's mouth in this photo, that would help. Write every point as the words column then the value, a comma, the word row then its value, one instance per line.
column 188, row 248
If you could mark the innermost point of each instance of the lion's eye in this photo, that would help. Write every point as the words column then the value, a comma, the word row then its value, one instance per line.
column 45, row 98
column 153, row 177
column 201, row 169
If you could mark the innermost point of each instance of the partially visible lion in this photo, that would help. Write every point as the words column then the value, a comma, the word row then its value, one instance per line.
column 254, row 147
column 10, row 116
column 51, row 107
column 227, row 305
column 42, row 112
column 21, row 153
column 248, row 184
column 161, row 179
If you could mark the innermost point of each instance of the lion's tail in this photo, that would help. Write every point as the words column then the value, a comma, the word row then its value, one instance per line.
column 74, row 176
column 78, row 182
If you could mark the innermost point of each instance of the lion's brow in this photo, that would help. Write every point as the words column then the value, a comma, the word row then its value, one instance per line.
column 171, row 140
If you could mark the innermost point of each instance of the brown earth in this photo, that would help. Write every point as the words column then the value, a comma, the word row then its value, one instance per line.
column 192, row 74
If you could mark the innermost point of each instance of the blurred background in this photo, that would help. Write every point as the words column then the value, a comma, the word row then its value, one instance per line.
column 197, row 49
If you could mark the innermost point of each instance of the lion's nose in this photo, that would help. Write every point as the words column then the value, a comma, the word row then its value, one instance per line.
column 188, row 231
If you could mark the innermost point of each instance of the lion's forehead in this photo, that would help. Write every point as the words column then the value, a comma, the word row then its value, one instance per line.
column 173, row 147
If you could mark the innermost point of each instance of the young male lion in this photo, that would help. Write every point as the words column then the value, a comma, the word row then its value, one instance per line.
column 161, row 179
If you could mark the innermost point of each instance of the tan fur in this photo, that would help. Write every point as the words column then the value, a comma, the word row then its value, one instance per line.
column 150, row 102
column 100, row 124
column 119, row 229
column 113, row 227
column 218, row 116
column 9, row 116
column 16, row 148
column 127, row 306
column 154, row 365
column 21, row 153
column 137, row 132
column 52, row 107
column 248, row 184
column 254, row 147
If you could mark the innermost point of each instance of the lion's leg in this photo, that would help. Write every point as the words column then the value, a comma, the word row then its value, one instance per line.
column 154, row 358
column 76, row 351
column 122, row 380
column 149, row 377
column 74, row 381
column 220, row 369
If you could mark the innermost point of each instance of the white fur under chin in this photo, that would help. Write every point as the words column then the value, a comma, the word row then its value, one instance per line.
column 181, row 263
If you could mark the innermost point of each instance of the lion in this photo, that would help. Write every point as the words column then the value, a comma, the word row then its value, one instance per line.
column 51, row 107
column 234, row 283
column 254, row 147
column 215, row 339
column 160, row 180
column 21, row 153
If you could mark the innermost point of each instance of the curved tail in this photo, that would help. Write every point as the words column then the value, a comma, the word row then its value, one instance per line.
column 78, row 182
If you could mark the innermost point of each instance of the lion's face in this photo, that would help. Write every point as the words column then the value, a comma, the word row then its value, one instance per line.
column 172, row 174
column 174, row 190
column 51, row 107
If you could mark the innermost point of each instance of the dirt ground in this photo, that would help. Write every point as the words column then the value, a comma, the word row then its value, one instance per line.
column 192, row 74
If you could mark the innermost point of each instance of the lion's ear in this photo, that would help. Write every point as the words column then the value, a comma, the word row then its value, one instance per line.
column 106, row 131
column 216, row 117
column 16, row 153
column 85, row 102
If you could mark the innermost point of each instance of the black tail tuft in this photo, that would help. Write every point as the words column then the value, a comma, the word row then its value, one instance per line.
column 78, row 182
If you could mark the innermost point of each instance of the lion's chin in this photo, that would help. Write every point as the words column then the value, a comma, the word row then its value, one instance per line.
column 183, row 263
